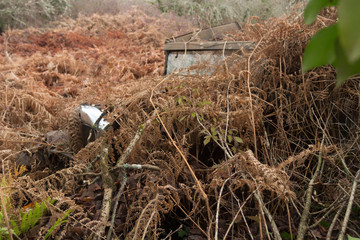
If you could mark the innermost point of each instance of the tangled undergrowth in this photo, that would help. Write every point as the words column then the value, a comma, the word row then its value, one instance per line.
column 256, row 151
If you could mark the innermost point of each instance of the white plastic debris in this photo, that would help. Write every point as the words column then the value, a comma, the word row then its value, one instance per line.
column 89, row 115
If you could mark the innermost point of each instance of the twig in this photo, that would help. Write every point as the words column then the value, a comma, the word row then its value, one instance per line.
column 250, row 96
column 143, row 212
column 304, row 216
column 136, row 166
column 133, row 142
column 108, row 190
column 322, row 217
column 266, row 227
column 333, row 223
column 257, row 196
column 342, row 188
column 120, row 165
column 172, row 232
column 218, row 208
column 189, row 217
column 268, row 215
column 148, row 224
column 226, row 132
column 116, row 200
column 349, row 206
column 289, row 220
column 236, row 215
column 227, row 153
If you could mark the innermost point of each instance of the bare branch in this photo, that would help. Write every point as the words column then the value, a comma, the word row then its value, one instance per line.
column 349, row 206
column 108, row 190
column 304, row 216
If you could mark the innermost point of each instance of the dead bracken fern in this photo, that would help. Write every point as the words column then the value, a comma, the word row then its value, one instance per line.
column 250, row 133
column 260, row 175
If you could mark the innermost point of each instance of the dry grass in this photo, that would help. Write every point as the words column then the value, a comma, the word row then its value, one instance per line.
column 117, row 61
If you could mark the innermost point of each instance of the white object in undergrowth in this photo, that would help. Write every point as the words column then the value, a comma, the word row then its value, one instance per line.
column 90, row 114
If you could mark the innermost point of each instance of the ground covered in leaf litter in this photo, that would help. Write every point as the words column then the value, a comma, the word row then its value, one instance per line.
column 227, row 156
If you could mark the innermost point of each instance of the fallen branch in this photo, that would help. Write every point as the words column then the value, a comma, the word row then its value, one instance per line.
column 108, row 190
column 305, row 215
column 349, row 206
column 333, row 223
column 116, row 203
column 137, row 167
column 120, row 165
column 133, row 142
column 268, row 215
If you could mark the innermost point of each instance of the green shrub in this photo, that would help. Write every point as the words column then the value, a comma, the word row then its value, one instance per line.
column 214, row 12
column 24, row 13
column 20, row 225
column 205, row 12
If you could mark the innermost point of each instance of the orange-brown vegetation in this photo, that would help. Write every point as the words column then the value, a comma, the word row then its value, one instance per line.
column 269, row 124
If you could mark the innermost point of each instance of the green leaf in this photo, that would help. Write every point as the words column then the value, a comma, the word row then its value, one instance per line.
column 197, row 91
column 5, row 231
column 352, row 238
column 193, row 115
column 325, row 224
column 321, row 48
column 234, row 150
column 239, row 140
column 58, row 223
column 183, row 233
column 15, row 227
column 349, row 17
column 314, row 7
column 213, row 131
column 344, row 68
column 214, row 119
column 230, row 138
column 181, row 119
column 24, row 225
column 207, row 140
column 285, row 236
column 255, row 218
column 180, row 100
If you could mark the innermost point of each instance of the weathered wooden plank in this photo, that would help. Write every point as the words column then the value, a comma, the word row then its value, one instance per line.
column 206, row 34
column 199, row 46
